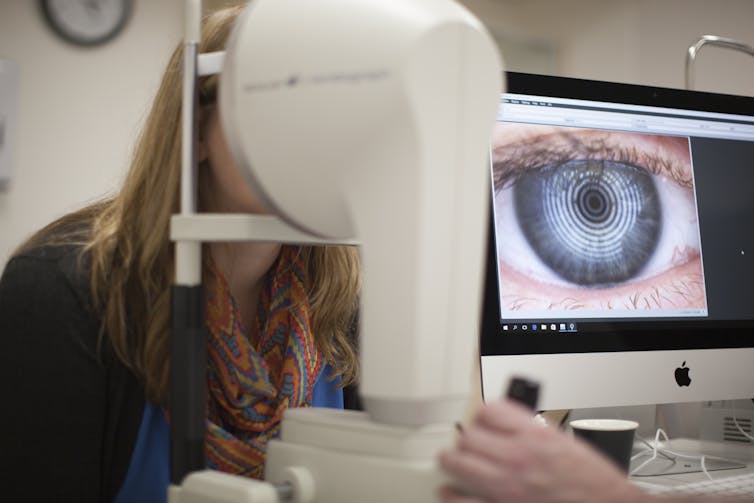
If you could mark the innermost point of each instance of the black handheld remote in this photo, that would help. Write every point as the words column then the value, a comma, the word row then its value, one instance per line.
column 524, row 391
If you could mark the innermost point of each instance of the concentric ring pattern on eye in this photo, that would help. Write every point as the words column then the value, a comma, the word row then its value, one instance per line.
column 592, row 222
column 595, row 214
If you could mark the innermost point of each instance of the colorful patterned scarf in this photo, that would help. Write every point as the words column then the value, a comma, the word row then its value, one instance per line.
column 253, row 377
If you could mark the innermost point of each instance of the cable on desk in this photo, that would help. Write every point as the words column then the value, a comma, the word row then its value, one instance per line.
column 741, row 430
column 655, row 450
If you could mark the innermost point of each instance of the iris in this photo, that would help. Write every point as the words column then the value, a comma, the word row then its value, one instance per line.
column 594, row 223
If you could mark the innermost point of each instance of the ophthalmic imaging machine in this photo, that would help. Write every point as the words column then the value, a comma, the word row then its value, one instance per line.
column 381, row 111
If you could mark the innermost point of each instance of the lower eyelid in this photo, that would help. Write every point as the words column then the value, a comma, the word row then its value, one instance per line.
column 685, row 289
column 677, row 288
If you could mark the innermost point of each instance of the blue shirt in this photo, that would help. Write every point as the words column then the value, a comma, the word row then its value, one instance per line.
column 148, row 473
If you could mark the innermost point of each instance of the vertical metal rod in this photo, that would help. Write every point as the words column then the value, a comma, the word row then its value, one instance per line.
column 192, row 37
column 188, row 383
column 188, row 143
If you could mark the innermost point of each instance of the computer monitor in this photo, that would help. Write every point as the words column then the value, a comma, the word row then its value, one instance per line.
column 621, row 261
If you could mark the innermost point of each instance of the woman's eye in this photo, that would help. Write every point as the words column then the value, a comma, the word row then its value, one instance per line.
column 578, row 231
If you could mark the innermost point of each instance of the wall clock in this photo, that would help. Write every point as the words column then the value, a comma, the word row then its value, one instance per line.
column 86, row 22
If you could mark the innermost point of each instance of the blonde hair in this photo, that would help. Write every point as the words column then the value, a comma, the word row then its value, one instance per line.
column 131, row 258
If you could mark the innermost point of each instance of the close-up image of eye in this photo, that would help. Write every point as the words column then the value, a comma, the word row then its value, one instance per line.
column 595, row 220
column 594, row 223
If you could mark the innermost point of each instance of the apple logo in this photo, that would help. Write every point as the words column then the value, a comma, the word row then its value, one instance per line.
column 682, row 375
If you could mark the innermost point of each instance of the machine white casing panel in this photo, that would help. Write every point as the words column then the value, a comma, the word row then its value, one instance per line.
column 377, row 128
column 351, row 458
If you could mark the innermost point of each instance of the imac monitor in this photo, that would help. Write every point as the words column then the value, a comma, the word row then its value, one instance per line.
column 621, row 262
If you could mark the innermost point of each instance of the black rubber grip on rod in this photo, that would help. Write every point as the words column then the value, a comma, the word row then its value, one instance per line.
column 188, row 383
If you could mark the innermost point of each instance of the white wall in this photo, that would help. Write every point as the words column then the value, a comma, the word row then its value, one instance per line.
column 635, row 41
column 80, row 109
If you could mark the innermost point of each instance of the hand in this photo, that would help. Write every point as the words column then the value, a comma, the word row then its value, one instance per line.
column 505, row 456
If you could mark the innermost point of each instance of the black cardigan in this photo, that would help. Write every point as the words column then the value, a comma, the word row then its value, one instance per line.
column 69, row 411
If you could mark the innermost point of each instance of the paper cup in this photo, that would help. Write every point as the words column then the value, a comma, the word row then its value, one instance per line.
column 613, row 437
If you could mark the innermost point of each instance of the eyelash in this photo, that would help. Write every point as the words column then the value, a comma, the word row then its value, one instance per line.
column 533, row 156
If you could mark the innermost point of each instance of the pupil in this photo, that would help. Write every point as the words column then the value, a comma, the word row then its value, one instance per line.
column 596, row 206
column 595, row 203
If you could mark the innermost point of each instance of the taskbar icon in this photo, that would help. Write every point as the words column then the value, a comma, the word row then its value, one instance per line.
column 549, row 327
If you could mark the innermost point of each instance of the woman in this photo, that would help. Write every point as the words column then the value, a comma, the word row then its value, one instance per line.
column 84, row 320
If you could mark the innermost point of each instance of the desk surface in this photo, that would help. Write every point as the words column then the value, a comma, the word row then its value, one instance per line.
column 739, row 453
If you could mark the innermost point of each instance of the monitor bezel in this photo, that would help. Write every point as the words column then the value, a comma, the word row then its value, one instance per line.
column 608, row 337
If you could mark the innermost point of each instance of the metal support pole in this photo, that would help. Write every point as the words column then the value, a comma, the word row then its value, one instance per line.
column 188, row 339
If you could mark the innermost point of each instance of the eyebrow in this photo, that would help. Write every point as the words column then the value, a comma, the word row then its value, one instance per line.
column 553, row 149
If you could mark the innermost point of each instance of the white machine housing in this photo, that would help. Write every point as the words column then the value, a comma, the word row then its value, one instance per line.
column 370, row 119
column 360, row 121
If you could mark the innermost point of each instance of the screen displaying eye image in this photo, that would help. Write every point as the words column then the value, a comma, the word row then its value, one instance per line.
column 595, row 223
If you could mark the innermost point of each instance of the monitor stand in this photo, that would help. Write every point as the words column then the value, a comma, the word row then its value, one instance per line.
column 682, row 423
column 668, row 465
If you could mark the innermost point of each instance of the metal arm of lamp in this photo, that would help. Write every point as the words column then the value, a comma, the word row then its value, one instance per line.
column 712, row 40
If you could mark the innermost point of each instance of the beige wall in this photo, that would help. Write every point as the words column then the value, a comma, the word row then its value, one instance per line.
column 80, row 109
column 635, row 41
